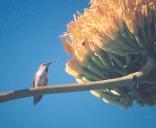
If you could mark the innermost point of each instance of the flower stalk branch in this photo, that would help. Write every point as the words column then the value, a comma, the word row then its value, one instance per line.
column 97, row 85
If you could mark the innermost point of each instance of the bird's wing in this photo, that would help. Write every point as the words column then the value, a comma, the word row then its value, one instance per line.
column 44, row 80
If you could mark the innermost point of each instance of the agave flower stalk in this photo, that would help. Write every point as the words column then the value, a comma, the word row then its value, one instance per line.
column 96, row 85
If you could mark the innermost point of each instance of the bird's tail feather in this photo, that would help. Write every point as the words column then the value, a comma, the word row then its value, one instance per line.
column 37, row 99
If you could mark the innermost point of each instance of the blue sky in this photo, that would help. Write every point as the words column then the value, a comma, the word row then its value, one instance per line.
column 29, row 35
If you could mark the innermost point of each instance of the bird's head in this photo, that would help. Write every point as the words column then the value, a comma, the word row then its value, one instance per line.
column 44, row 66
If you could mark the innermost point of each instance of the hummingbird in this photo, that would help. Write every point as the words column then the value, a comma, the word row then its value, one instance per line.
column 41, row 79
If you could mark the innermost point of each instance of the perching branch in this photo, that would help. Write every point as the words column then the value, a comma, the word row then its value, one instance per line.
column 97, row 85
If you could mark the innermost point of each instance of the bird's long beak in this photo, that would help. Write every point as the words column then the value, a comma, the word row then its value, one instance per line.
column 52, row 61
column 48, row 63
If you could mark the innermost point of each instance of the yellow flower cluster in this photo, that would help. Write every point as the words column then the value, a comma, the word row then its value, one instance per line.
column 111, row 39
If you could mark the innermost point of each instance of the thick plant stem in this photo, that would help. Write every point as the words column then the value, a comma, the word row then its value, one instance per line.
column 97, row 85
